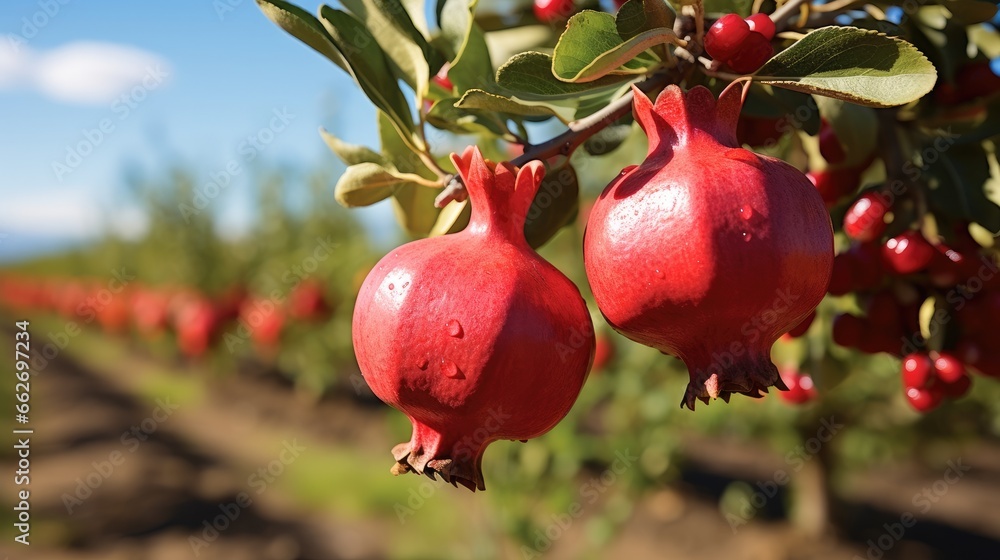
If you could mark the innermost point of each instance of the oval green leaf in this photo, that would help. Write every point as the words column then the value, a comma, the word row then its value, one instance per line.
column 856, row 65
column 591, row 48
column 364, row 184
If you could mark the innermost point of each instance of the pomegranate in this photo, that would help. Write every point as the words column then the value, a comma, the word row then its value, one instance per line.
column 708, row 251
column 801, row 388
column 196, row 321
column 307, row 301
column 803, row 326
column 265, row 321
column 473, row 335
column 150, row 311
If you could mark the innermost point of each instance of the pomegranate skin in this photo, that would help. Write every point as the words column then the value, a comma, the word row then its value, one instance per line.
column 707, row 251
column 472, row 335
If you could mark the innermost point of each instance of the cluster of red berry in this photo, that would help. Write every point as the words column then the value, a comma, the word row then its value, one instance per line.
column 840, row 178
column 743, row 44
column 894, row 278
column 928, row 378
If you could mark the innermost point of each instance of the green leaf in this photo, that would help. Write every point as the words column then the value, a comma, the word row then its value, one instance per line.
column 957, row 176
column 484, row 100
column 303, row 26
column 719, row 7
column 855, row 127
column 413, row 204
column 350, row 154
column 591, row 48
column 405, row 47
column 364, row 184
column 528, row 76
column 446, row 116
column 968, row 12
column 852, row 64
column 986, row 39
column 452, row 218
column 555, row 205
column 795, row 109
column 369, row 67
column 636, row 16
column 470, row 65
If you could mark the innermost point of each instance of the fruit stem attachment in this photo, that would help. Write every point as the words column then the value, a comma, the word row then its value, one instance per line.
column 565, row 143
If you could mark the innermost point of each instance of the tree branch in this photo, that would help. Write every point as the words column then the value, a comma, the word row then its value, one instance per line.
column 564, row 144
column 781, row 15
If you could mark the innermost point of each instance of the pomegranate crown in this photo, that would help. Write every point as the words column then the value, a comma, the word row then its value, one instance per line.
column 500, row 193
column 677, row 116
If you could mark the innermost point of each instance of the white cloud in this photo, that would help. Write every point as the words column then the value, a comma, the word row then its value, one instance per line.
column 71, row 213
column 83, row 72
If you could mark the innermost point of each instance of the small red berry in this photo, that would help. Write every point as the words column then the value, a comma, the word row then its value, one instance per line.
column 603, row 353
column 554, row 11
column 755, row 131
column 835, row 184
column 923, row 400
column 829, row 145
column 761, row 23
column 882, row 310
column 948, row 368
column 907, row 253
column 957, row 388
column 847, row 330
column 865, row 219
column 755, row 51
column 726, row 37
column 801, row 388
column 867, row 270
column 918, row 370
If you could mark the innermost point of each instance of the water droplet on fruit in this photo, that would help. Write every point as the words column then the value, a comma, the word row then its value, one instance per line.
column 746, row 212
column 422, row 364
column 747, row 236
column 451, row 370
column 659, row 273
column 392, row 286
column 455, row 328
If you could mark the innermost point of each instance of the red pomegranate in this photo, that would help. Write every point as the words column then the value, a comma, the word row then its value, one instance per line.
column 472, row 335
column 708, row 251
column 150, row 311
column 264, row 319
column 196, row 321
column 307, row 301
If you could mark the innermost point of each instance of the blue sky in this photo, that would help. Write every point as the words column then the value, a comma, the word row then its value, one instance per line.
column 227, row 73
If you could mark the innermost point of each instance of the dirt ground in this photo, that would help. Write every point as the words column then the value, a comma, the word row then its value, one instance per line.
column 169, row 483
